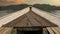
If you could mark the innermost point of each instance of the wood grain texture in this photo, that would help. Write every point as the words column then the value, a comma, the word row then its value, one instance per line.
column 30, row 19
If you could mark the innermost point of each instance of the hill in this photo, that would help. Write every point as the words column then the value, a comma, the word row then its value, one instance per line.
column 13, row 7
column 46, row 7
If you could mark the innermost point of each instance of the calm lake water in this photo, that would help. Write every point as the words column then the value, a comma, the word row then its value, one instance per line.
column 56, row 13
column 6, row 12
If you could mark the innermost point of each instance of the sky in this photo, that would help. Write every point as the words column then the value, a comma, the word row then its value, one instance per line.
column 11, row 2
column 51, row 2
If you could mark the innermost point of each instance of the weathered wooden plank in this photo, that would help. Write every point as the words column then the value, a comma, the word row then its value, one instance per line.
column 58, row 29
column 55, row 30
column 40, row 19
column 28, row 20
column 1, row 28
column 14, row 22
column 6, row 30
column 32, row 14
column 22, row 23
column 33, row 21
column 50, row 30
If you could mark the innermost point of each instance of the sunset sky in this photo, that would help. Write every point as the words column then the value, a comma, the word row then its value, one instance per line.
column 11, row 2
column 51, row 2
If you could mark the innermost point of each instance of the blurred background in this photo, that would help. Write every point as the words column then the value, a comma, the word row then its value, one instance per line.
column 10, row 6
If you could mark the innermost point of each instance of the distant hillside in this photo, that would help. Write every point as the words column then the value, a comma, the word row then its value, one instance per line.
column 46, row 7
column 13, row 7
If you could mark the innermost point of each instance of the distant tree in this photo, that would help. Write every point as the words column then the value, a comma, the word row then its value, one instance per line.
column 45, row 7
column 14, row 7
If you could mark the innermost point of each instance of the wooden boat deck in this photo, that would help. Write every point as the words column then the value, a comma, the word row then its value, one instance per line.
column 30, row 19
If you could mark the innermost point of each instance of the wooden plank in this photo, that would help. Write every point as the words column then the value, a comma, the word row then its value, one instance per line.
column 14, row 22
column 55, row 30
column 19, row 20
column 32, row 20
column 1, row 28
column 6, row 30
column 40, row 19
column 34, row 17
column 50, row 30
column 22, row 23
column 28, row 20
column 43, row 20
column 58, row 29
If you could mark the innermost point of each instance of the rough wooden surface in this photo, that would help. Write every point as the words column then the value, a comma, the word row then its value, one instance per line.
column 53, row 30
column 5, row 30
column 30, row 19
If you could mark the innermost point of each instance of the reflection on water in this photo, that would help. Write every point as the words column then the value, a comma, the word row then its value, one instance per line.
column 55, row 13
column 6, row 12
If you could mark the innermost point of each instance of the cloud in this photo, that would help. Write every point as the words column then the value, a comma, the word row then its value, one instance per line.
column 8, row 2
column 16, row 1
column 51, row 2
